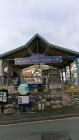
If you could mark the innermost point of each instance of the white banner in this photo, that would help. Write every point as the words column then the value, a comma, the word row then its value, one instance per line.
column 23, row 99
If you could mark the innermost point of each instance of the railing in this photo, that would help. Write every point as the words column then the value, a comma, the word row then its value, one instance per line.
column 9, row 81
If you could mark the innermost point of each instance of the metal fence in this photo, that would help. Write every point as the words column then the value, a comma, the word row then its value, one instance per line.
column 9, row 81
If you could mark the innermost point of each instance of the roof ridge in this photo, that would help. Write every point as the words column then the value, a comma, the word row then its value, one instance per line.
column 44, row 40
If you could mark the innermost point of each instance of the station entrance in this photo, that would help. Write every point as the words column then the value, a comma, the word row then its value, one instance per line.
column 52, row 73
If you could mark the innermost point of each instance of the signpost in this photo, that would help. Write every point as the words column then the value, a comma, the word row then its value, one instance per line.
column 23, row 98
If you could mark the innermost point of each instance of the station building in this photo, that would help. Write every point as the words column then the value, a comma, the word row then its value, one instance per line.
column 52, row 72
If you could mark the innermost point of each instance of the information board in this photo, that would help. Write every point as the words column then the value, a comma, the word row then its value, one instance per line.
column 3, row 96
column 54, row 76
column 23, row 99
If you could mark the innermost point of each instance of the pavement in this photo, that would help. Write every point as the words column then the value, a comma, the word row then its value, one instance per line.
column 21, row 117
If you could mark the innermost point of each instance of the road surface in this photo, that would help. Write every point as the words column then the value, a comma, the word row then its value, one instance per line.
column 32, row 131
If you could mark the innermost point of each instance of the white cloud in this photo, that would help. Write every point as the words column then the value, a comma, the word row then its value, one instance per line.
column 57, row 21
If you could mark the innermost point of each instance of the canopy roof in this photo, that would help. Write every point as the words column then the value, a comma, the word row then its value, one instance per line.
column 39, row 45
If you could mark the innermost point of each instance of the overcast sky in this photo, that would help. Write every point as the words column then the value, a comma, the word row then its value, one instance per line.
column 55, row 20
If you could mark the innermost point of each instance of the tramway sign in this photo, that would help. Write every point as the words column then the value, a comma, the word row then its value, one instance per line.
column 38, row 59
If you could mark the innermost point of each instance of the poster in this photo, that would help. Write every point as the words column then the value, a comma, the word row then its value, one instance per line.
column 23, row 99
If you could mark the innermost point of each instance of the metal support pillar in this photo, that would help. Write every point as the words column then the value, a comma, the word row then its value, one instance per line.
column 65, row 75
column 70, row 72
column 62, row 75
column 1, row 67
column 1, row 72
column 77, row 66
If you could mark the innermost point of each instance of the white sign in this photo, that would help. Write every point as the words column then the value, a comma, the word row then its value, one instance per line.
column 3, row 97
column 23, row 99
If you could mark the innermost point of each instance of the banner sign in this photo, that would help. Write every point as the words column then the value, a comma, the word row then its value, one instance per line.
column 38, row 59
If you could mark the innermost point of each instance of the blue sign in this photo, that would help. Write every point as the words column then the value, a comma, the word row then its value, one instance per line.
column 38, row 59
